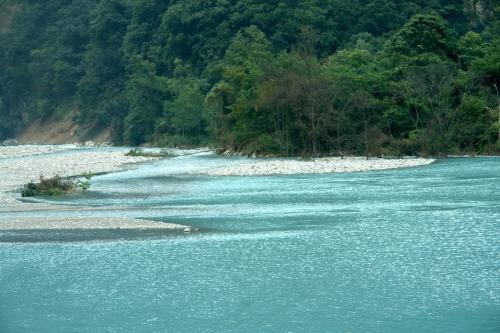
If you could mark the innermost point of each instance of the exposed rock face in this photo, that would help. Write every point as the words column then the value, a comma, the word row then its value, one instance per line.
column 482, row 9
column 7, row 14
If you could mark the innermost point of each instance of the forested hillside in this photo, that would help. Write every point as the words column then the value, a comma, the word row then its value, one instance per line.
column 261, row 76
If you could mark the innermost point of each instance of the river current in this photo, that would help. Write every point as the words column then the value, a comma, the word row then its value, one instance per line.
column 408, row 250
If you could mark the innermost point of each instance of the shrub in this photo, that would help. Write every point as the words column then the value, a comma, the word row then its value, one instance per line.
column 136, row 152
column 56, row 185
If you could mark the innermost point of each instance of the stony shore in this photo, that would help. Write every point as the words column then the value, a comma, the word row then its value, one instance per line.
column 319, row 165
column 22, row 164
column 29, row 150
column 75, row 223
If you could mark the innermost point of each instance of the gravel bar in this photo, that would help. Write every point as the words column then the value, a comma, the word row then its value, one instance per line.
column 22, row 164
column 318, row 165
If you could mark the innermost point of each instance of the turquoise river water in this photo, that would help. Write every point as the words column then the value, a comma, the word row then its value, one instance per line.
column 410, row 250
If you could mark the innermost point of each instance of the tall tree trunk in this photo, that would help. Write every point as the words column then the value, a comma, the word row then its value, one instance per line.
column 498, row 109
column 366, row 136
column 313, row 129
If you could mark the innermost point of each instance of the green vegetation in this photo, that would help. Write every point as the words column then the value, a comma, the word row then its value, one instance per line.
column 56, row 185
column 375, row 77
column 136, row 152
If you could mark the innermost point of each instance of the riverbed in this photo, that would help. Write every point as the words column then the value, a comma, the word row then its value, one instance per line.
column 405, row 250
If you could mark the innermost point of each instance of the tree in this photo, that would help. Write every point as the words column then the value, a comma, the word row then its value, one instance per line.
column 146, row 94
column 242, row 68
column 104, row 77
column 424, row 33
column 185, row 113
column 352, row 74
column 428, row 89
column 486, row 71
column 470, row 48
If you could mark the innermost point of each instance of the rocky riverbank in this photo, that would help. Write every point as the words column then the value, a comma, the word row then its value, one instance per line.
column 264, row 167
column 22, row 164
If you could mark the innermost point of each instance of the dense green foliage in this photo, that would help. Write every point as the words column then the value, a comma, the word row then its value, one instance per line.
column 284, row 77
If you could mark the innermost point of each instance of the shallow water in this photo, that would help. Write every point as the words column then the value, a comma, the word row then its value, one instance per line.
column 414, row 250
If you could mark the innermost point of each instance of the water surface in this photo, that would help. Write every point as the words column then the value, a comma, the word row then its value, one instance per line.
column 414, row 250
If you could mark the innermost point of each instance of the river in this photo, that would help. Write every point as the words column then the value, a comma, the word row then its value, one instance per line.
column 408, row 250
